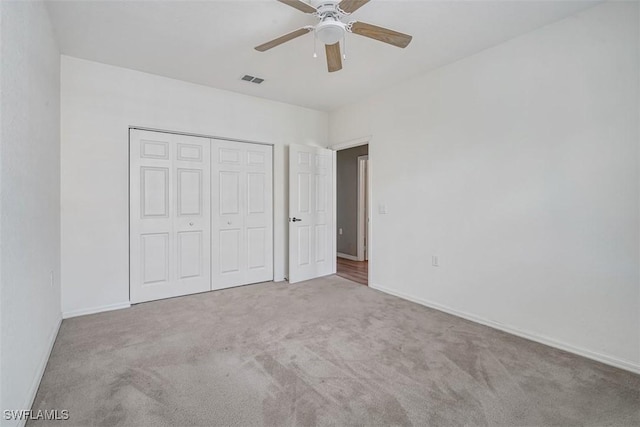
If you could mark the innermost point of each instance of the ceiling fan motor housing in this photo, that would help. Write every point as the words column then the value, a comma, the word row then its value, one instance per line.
column 323, row 6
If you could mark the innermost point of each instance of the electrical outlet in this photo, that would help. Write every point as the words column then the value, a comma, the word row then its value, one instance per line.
column 382, row 209
column 340, row 231
column 434, row 261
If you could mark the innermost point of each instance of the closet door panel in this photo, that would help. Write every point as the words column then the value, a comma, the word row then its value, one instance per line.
column 242, row 222
column 169, row 217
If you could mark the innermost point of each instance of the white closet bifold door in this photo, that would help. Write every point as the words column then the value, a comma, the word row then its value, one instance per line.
column 242, row 213
column 170, row 217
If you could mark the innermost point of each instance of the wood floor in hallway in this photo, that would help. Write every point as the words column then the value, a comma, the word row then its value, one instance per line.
column 358, row 271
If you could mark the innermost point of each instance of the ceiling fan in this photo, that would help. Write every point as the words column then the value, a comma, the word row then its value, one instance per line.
column 331, row 29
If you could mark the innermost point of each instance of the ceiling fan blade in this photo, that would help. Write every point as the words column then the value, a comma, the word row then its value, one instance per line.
column 350, row 6
column 283, row 39
column 382, row 34
column 300, row 5
column 334, row 59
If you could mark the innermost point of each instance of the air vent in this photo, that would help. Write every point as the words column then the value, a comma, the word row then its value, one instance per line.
column 248, row 78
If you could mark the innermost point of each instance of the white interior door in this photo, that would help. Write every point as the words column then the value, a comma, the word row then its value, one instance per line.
column 169, row 215
column 242, row 213
column 312, row 251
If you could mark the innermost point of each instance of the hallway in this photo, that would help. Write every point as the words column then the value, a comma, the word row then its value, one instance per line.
column 357, row 271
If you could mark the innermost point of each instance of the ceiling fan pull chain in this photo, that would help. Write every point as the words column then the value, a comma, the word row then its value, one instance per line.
column 315, row 50
column 344, row 47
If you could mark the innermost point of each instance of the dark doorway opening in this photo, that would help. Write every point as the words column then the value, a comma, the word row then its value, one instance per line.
column 353, row 213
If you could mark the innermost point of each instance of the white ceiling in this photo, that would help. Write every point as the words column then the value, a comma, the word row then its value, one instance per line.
column 211, row 42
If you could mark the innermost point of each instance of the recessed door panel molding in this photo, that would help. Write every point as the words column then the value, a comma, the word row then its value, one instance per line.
column 189, row 192
column 230, row 156
column 321, row 193
column 242, row 220
column 256, row 158
column 256, row 196
column 170, row 219
column 256, row 248
column 154, row 258
column 189, row 152
column 311, row 213
column 304, row 159
column 304, row 245
column 154, row 149
column 189, row 254
column 320, row 252
column 230, row 242
column 322, row 162
column 304, row 192
column 154, row 190
column 229, row 192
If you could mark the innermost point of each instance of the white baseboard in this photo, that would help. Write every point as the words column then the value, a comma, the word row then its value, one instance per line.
column 599, row 357
column 346, row 256
column 93, row 310
column 35, row 383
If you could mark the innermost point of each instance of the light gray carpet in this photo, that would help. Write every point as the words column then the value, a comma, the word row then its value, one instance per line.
column 324, row 352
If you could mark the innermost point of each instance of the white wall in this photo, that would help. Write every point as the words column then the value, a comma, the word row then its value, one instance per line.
column 99, row 103
column 519, row 168
column 30, row 199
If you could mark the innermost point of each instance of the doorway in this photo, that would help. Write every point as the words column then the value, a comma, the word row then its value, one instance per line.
column 352, row 176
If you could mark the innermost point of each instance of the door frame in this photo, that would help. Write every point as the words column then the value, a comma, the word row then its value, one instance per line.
column 363, row 212
column 223, row 138
column 357, row 142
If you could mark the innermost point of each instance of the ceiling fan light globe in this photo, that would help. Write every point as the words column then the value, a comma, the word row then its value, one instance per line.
column 330, row 32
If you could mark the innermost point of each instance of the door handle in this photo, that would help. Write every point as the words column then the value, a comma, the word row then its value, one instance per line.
column 295, row 219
